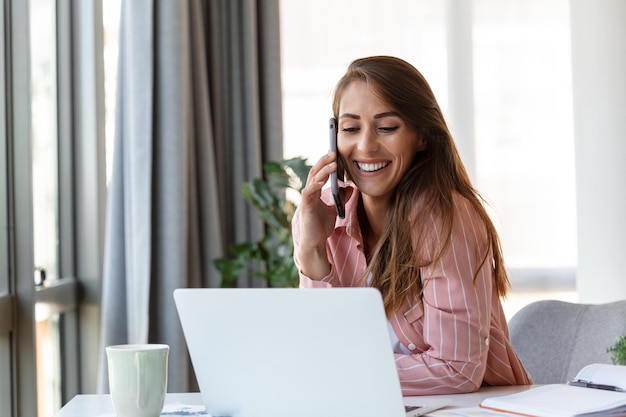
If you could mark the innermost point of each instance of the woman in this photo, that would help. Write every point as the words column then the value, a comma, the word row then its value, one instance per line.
column 414, row 228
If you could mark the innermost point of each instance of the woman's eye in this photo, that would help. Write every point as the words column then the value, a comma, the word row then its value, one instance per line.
column 388, row 129
column 349, row 129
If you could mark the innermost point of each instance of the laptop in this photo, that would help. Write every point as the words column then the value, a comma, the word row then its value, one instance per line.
column 289, row 352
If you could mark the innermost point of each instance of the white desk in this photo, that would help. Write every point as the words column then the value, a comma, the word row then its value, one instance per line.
column 96, row 405
column 471, row 399
column 99, row 405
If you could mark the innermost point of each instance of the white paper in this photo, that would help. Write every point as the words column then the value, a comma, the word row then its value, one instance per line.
column 170, row 410
column 560, row 400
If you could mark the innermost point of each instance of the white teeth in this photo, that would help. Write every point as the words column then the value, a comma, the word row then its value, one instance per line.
column 372, row 167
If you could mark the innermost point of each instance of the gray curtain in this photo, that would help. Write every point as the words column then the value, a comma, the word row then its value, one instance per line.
column 198, row 113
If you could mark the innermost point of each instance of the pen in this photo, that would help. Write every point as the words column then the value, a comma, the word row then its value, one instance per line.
column 589, row 384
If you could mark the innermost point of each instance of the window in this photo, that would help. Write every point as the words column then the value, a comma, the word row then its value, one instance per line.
column 523, row 124
column 52, row 202
column 45, row 195
column 16, row 241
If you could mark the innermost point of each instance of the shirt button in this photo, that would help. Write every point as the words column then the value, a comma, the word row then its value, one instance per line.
column 411, row 346
column 487, row 341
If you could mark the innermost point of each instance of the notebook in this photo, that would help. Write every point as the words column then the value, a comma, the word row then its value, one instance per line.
column 287, row 352
column 597, row 390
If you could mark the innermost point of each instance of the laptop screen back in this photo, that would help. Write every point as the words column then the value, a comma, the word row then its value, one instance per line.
column 291, row 352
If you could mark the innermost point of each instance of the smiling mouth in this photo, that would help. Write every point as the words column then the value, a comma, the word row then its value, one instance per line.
column 372, row 167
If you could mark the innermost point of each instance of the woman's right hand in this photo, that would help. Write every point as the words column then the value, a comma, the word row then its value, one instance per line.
column 317, row 220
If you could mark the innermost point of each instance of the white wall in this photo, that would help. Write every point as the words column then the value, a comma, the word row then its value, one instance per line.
column 599, row 87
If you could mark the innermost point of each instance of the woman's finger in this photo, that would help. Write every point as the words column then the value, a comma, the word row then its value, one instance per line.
column 320, row 172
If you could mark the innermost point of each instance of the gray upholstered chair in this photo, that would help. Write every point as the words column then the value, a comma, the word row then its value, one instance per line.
column 555, row 339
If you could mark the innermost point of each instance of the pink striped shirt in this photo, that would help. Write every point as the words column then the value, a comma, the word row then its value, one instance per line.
column 457, row 332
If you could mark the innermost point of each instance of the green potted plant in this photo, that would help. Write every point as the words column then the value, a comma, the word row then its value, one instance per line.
column 271, row 257
column 618, row 351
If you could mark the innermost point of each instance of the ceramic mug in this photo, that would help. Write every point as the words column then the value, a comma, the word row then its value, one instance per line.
column 138, row 379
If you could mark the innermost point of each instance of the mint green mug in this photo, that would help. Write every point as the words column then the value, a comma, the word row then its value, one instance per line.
column 138, row 379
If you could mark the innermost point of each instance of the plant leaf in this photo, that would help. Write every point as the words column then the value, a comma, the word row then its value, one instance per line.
column 271, row 258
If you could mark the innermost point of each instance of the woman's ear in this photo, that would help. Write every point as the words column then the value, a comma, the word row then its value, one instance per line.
column 421, row 142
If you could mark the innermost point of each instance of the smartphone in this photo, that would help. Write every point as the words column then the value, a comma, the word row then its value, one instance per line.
column 332, row 128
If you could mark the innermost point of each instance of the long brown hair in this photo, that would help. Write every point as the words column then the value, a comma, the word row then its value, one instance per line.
column 436, row 174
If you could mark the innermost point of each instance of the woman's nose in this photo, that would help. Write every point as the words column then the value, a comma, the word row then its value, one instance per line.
column 368, row 142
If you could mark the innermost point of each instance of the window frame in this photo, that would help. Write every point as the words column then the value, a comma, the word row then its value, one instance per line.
column 6, row 296
column 20, row 209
